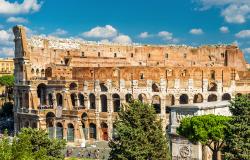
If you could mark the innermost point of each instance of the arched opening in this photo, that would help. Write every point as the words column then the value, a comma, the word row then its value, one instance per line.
column 155, row 87
column 59, row 99
column 104, row 128
column 156, row 102
column 32, row 71
column 212, row 98
column 212, row 74
column 70, row 133
column 41, row 93
column 73, row 86
column 27, row 124
column 92, row 131
column 128, row 97
column 48, row 72
column 116, row 102
column 50, row 98
column 50, row 117
column 37, row 72
column 81, row 99
column 59, row 131
column 92, row 101
column 103, row 87
column 73, row 97
column 142, row 97
column 226, row 97
column 184, row 99
column 34, row 125
column 212, row 87
column 104, row 104
column 42, row 73
column 198, row 98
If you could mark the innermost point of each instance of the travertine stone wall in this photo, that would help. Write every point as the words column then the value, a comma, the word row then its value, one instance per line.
column 65, row 83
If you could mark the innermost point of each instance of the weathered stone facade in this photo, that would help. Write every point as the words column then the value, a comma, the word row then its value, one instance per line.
column 74, row 88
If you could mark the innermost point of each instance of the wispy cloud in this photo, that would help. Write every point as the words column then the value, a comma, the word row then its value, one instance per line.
column 17, row 20
column 168, row 37
column 196, row 31
column 224, row 29
column 243, row 34
column 107, row 31
column 28, row 6
column 233, row 11
column 59, row 32
column 144, row 35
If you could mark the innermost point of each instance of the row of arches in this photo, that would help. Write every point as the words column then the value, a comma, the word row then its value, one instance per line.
column 56, row 130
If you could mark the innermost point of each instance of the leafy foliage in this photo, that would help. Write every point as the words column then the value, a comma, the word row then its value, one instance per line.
column 5, row 148
column 32, row 144
column 7, row 110
column 238, row 135
column 7, row 80
column 138, row 134
column 209, row 130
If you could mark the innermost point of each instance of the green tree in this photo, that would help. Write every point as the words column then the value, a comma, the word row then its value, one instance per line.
column 35, row 144
column 238, row 135
column 209, row 130
column 138, row 134
column 5, row 147
column 31, row 144
column 8, row 81
column 7, row 110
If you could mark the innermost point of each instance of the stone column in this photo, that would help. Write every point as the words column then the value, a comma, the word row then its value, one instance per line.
column 54, row 100
column 110, row 126
column 98, row 128
column 97, row 103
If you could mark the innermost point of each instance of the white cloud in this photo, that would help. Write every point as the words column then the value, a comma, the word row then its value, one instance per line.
column 6, row 52
column 168, row 36
column 101, row 32
column 236, row 13
column 243, row 34
column 246, row 50
column 196, row 31
column 122, row 39
column 6, row 37
column 17, row 20
column 233, row 11
column 27, row 6
column 224, row 29
column 59, row 32
column 144, row 35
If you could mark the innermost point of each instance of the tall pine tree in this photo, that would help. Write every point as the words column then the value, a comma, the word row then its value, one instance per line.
column 138, row 134
column 238, row 135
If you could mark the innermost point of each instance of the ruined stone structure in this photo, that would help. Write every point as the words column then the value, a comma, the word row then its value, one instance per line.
column 181, row 148
column 75, row 88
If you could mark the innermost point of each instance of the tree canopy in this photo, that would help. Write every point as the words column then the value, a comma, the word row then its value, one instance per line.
column 31, row 144
column 209, row 130
column 238, row 135
column 138, row 134
column 7, row 80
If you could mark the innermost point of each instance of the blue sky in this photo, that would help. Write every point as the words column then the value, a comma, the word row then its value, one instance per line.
column 191, row 22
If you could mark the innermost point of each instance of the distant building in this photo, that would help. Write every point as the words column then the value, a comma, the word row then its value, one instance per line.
column 6, row 66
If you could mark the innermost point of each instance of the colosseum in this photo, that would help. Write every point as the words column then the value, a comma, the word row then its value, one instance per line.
column 74, row 88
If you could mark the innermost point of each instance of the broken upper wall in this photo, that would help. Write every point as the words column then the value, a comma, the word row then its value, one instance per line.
column 48, row 51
